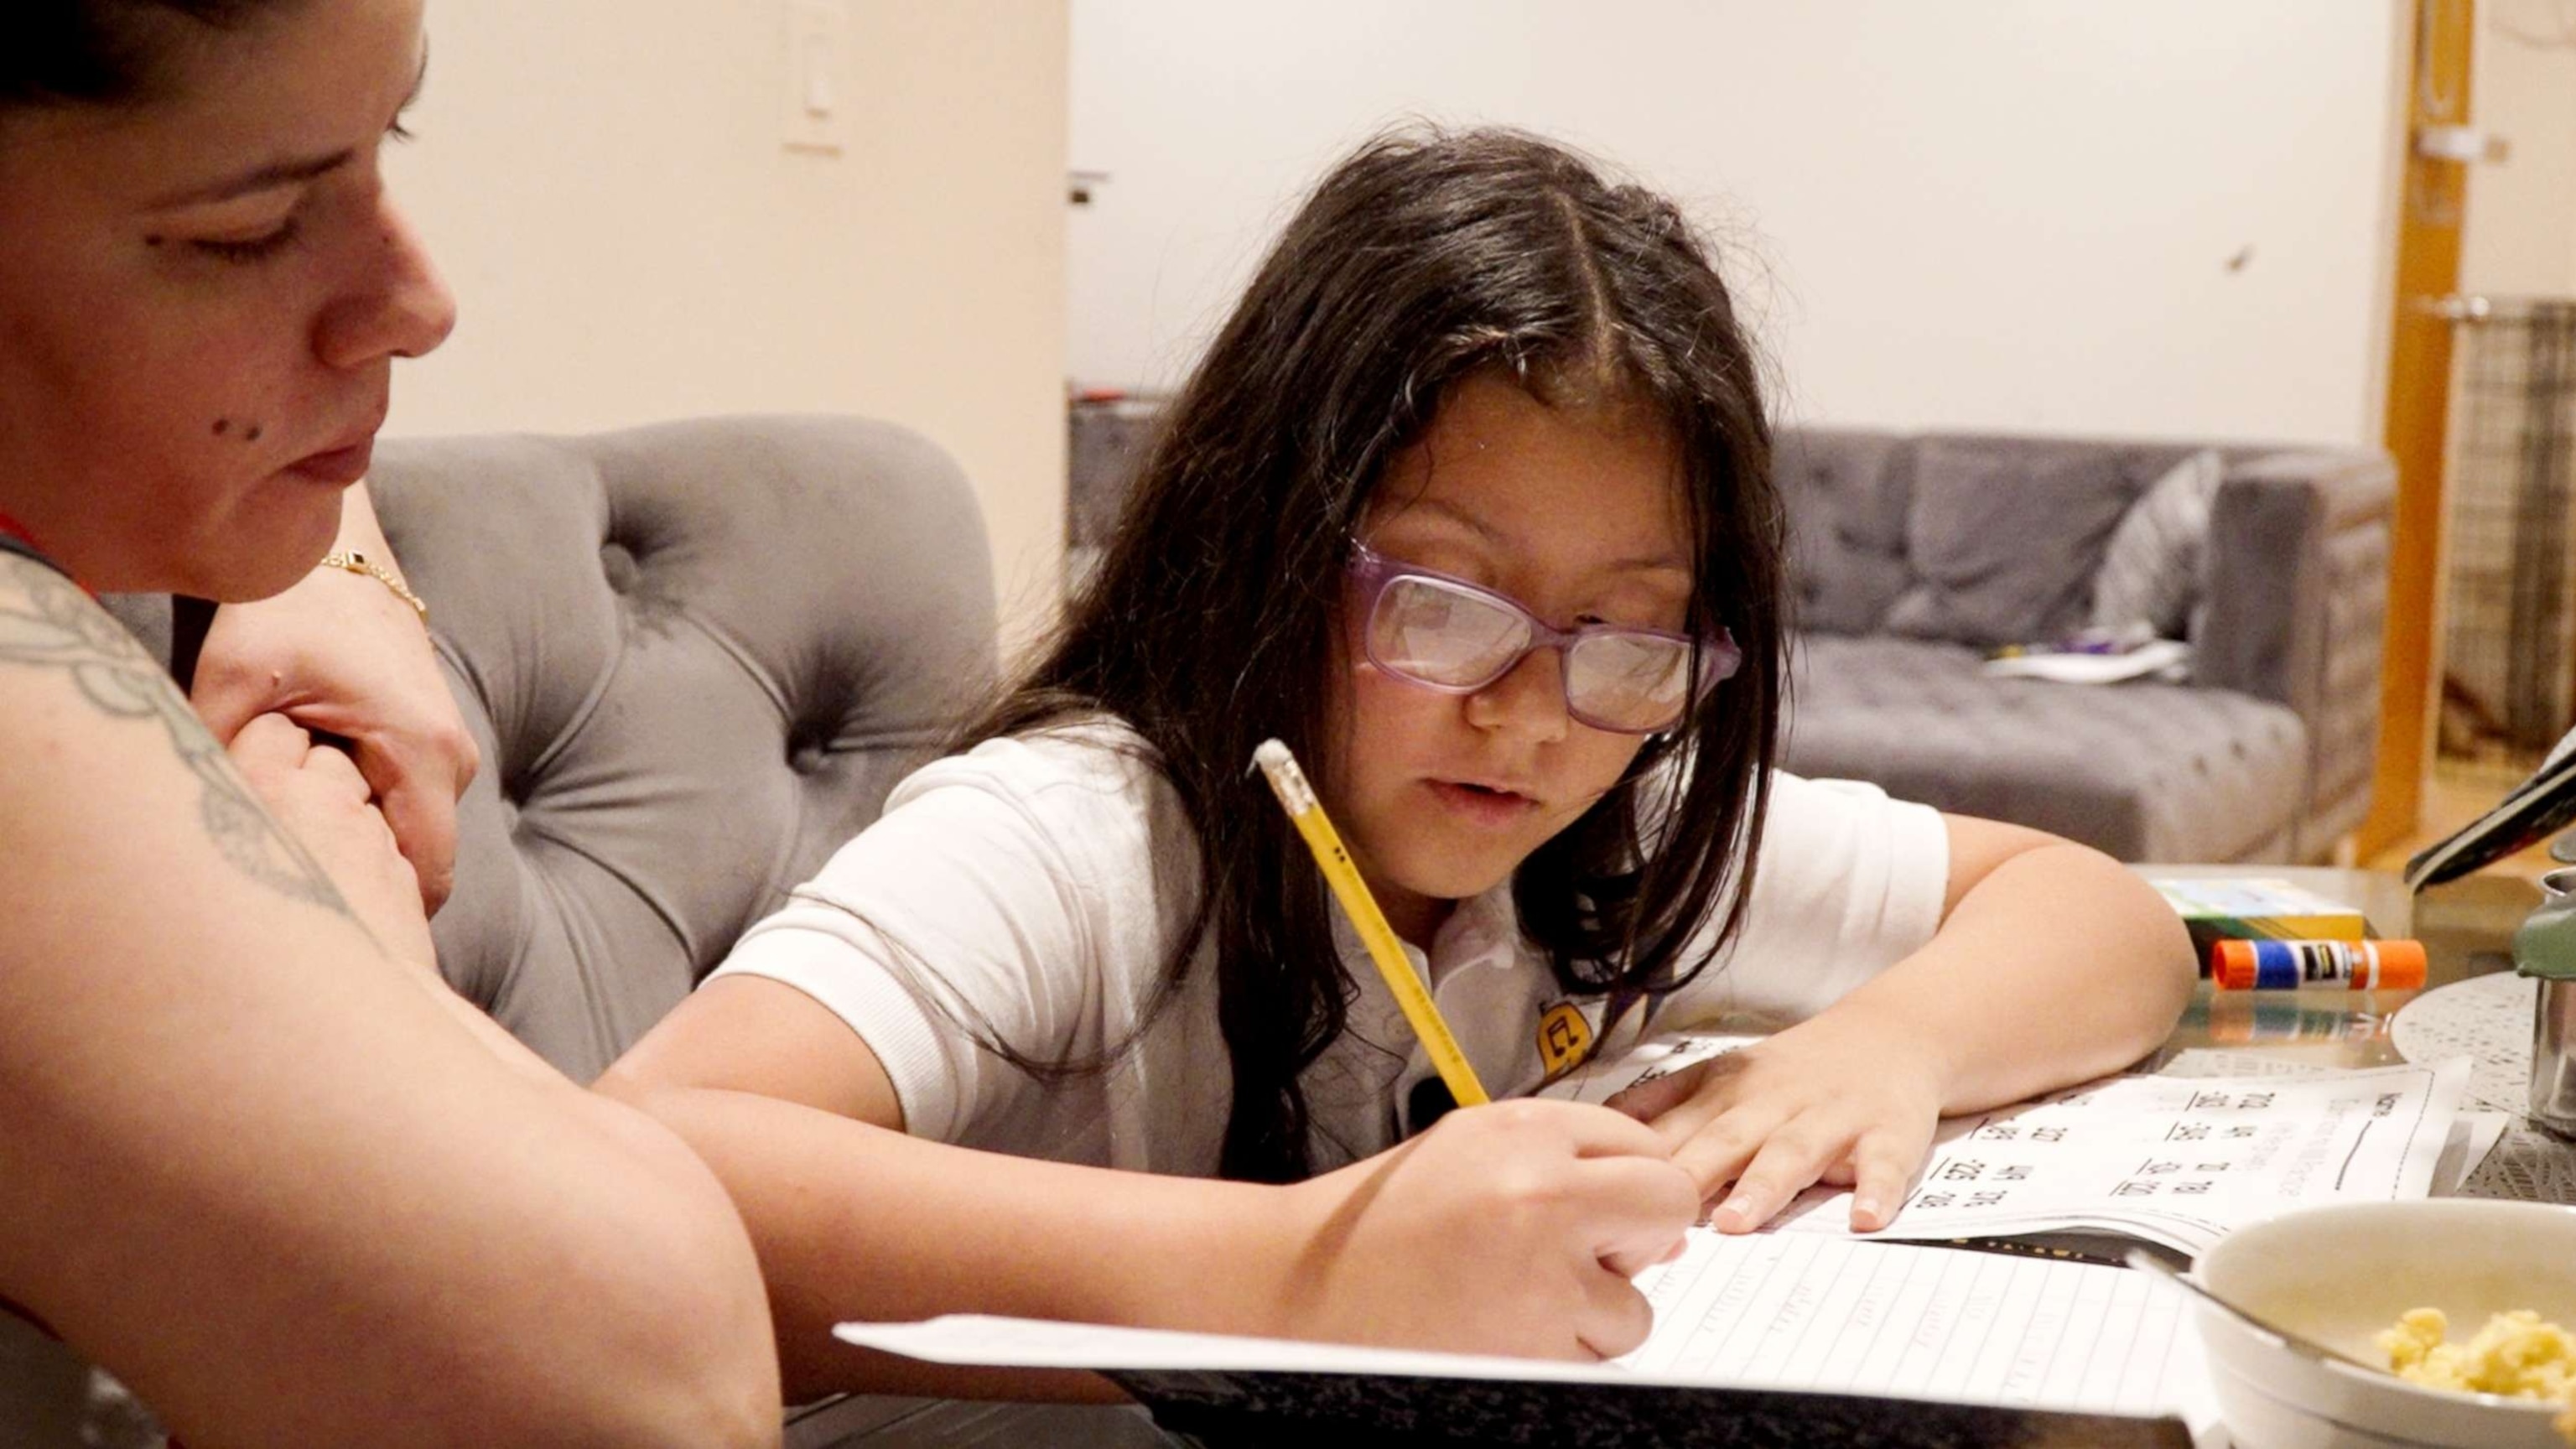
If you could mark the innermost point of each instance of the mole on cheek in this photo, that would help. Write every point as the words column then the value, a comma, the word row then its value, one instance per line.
column 253, row 435
column 223, row 426
column 155, row 241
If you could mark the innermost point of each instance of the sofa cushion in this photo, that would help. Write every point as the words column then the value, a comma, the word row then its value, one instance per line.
column 2143, row 771
column 2151, row 570
column 2004, row 543
column 1844, row 493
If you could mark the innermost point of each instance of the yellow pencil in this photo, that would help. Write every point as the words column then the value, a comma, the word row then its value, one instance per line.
column 1298, row 799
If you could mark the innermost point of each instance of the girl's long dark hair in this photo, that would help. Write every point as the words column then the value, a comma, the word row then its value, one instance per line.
column 1422, row 258
column 102, row 52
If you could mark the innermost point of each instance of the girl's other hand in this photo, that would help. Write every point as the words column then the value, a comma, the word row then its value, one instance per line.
column 319, row 798
column 1511, row 1229
column 1840, row 1099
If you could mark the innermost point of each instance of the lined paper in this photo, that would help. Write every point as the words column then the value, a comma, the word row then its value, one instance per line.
column 1825, row 1315
column 1840, row 1315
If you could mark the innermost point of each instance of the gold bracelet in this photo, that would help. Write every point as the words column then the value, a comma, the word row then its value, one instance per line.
column 358, row 563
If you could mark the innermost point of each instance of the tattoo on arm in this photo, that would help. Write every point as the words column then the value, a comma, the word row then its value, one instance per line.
column 47, row 623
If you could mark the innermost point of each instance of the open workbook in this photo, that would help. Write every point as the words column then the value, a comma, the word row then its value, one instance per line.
column 1765, row 1339
column 1899, row 1337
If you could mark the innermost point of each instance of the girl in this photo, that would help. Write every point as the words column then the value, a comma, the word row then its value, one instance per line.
column 255, row 1158
column 1470, row 503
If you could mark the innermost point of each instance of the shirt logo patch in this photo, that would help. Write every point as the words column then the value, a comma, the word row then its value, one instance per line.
column 1564, row 1038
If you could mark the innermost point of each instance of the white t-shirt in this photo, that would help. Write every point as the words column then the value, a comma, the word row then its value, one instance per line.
column 1033, row 889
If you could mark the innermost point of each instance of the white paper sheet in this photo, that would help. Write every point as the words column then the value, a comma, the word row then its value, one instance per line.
column 2472, row 1138
column 2221, row 1062
column 1839, row 1315
column 1888, row 1319
column 1599, row 1081
column 2474, row 1134
column 2069, row 667
column 2172, row 1160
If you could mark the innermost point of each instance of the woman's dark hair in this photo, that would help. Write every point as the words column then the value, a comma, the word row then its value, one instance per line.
column 101, row 52
column 1422, row 258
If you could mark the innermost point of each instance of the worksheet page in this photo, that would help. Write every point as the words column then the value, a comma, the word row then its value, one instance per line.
column 2169, row 1160
column 2172, row 1160
column 1839, row 1315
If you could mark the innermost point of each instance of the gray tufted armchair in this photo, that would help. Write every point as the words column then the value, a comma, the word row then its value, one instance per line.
column 696, row 656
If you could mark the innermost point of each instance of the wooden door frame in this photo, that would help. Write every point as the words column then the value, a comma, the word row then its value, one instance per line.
column 2417, row 427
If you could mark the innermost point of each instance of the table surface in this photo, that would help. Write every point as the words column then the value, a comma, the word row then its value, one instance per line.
column 2467, row 929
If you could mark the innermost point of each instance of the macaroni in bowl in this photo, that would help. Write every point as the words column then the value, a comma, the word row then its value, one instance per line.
column 2516, row 1355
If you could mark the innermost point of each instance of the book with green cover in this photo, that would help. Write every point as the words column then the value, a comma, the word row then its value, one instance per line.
column 2256, row 908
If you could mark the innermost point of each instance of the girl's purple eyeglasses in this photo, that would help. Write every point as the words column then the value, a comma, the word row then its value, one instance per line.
column 1444, row 633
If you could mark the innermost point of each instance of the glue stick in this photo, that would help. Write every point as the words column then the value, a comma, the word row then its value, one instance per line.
column 2286, row 965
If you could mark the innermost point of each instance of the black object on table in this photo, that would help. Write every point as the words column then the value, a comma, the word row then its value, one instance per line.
column 1277, row 1410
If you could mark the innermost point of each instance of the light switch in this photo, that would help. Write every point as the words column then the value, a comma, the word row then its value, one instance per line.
column 816, row 112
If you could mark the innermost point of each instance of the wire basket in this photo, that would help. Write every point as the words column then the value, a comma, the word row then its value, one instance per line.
column 2509, row 632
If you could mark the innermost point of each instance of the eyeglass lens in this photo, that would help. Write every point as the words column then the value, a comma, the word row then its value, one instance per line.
column 1443, row 635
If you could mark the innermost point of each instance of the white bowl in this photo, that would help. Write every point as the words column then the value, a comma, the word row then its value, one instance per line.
column 2341, row 1274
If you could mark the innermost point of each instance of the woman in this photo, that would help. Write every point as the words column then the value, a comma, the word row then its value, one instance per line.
column 254, row 1157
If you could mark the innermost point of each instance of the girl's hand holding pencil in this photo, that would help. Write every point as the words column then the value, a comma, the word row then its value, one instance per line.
column 1539, row 1211
column 1511, row 1228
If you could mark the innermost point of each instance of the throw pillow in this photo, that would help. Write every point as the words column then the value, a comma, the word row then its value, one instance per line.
column 2151, row 568
column 2004, row 541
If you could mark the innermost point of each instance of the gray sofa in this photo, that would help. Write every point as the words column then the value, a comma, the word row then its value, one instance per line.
column 2264, row 755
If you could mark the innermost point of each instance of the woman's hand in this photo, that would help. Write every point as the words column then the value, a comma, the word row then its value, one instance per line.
column 1512, row 1228
column 319, row 798
column 339, row 654
column 1842, row 1099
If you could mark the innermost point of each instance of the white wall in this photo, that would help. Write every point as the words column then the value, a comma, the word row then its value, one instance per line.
column 2520, row 236
column 605, row 183
column 1978, row 213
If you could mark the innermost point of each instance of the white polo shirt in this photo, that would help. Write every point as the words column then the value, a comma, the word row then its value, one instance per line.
column 1032, row 890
